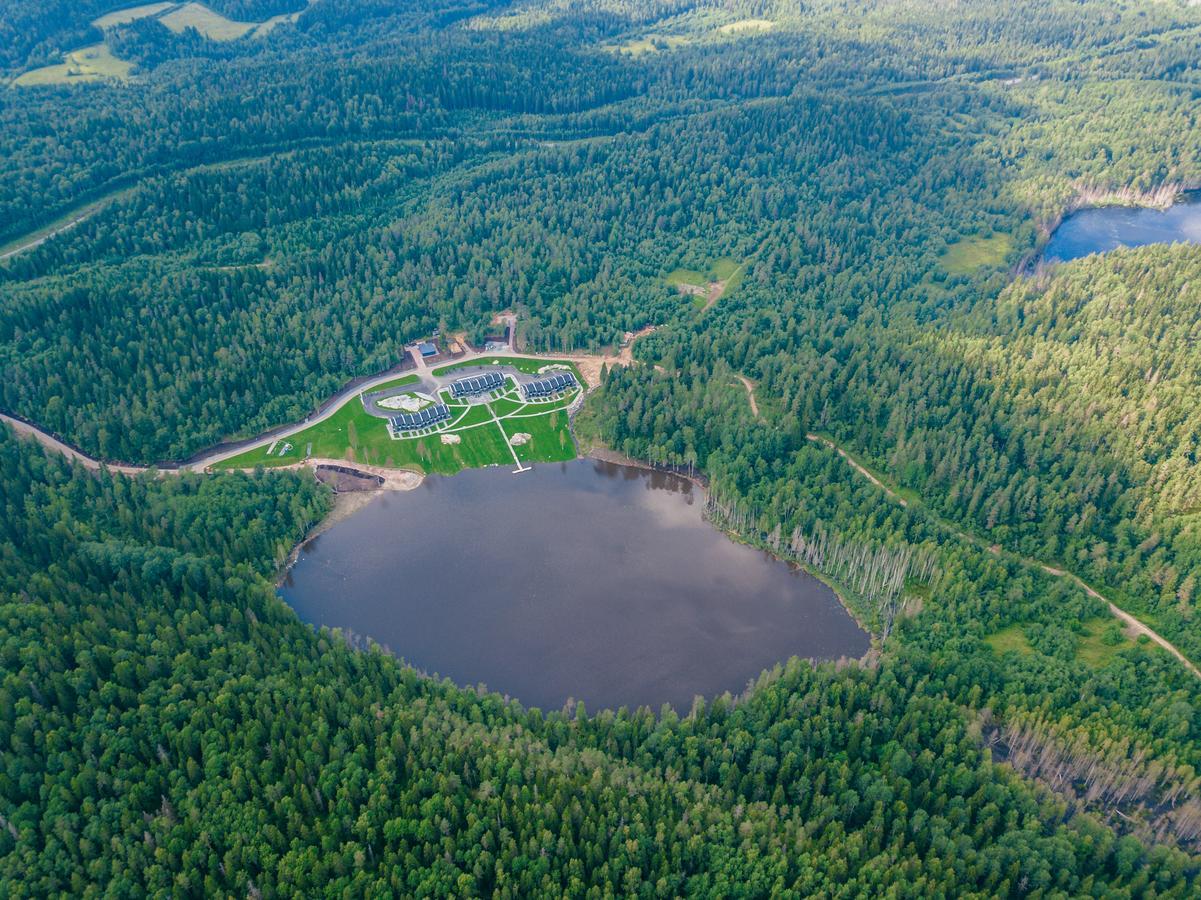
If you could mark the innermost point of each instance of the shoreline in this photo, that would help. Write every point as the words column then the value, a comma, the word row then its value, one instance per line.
column 1162, row 199
column 343, row 507
column 604, row 454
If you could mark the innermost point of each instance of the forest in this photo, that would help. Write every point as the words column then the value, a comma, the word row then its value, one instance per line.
column 265, row 218
column 170, row 726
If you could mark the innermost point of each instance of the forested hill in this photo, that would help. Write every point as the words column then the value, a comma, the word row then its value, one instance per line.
column 170, row 726
column 252, row 202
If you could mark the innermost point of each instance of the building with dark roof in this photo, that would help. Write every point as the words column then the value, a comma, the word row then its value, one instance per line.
column 428, row 348
column 423, row 418
column 548, row 385
column 477, row 384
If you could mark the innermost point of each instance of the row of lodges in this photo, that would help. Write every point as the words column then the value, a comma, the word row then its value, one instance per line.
column 539, row 389
column 548, row 385
column 423, row 418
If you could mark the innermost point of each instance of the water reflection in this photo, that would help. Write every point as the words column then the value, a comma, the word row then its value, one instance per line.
column 588, row 579
column 1109, row 227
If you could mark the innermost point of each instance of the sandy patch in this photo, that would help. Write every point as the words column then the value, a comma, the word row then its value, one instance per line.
column 520, row 438
column 451, row 439
column 406, row 402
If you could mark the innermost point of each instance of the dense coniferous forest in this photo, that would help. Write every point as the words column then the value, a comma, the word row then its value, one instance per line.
column 258, row 220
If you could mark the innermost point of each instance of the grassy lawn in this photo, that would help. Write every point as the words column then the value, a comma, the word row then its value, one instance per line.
column 396, row 382
column 93, row 63
column 1011, row 639
column 524, row 365
column 355, row 435
column 507, row 404
column 550, row 440
column 971, row 253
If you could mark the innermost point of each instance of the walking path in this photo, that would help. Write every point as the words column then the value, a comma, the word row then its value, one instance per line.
column 854, row 464
column 1133, row 624
column 520, row 468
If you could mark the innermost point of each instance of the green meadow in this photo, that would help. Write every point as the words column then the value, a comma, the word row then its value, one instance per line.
column 972, row 253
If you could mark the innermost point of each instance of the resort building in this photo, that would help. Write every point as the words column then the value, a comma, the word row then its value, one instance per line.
column 423, row 418
column 548, row 386
column 477, row 384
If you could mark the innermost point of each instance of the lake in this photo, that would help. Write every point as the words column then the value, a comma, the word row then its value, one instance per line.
column 583, row 580
column 1109, row 227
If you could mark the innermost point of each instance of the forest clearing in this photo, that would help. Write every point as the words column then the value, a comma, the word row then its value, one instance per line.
column 93, row 63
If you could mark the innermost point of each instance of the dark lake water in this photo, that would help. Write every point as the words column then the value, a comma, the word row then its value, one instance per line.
column 585, row 580
column 1109, row 227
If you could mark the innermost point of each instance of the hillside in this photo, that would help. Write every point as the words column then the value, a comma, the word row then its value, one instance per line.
column 822, row 222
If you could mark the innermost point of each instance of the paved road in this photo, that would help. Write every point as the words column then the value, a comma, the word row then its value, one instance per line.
column 328, row 408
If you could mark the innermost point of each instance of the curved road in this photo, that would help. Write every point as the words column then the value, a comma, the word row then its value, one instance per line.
column 590, row 366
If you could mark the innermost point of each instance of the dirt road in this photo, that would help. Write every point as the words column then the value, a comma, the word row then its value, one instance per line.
column 750, row 394
column 1133, row 625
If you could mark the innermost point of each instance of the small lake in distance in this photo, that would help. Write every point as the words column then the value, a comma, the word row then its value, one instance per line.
column 583, row 580
column 1109, row 227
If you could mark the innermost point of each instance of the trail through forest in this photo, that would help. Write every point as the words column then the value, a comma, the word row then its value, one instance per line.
column 50, row 442
column 85, row 211
column 750, row 394
column 1133, row 624
column 37, row 239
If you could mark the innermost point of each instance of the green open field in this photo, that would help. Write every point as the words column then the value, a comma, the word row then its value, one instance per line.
column 724, row 269
column 354, row 435
column 650, row 44
column 686, row 276
column 1095, row 648
column 971, row 253
column 1101, row 640
column 212, row 25
column 747, row 26
column 1011, row 639
column 93, row 63
column 129, row 14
